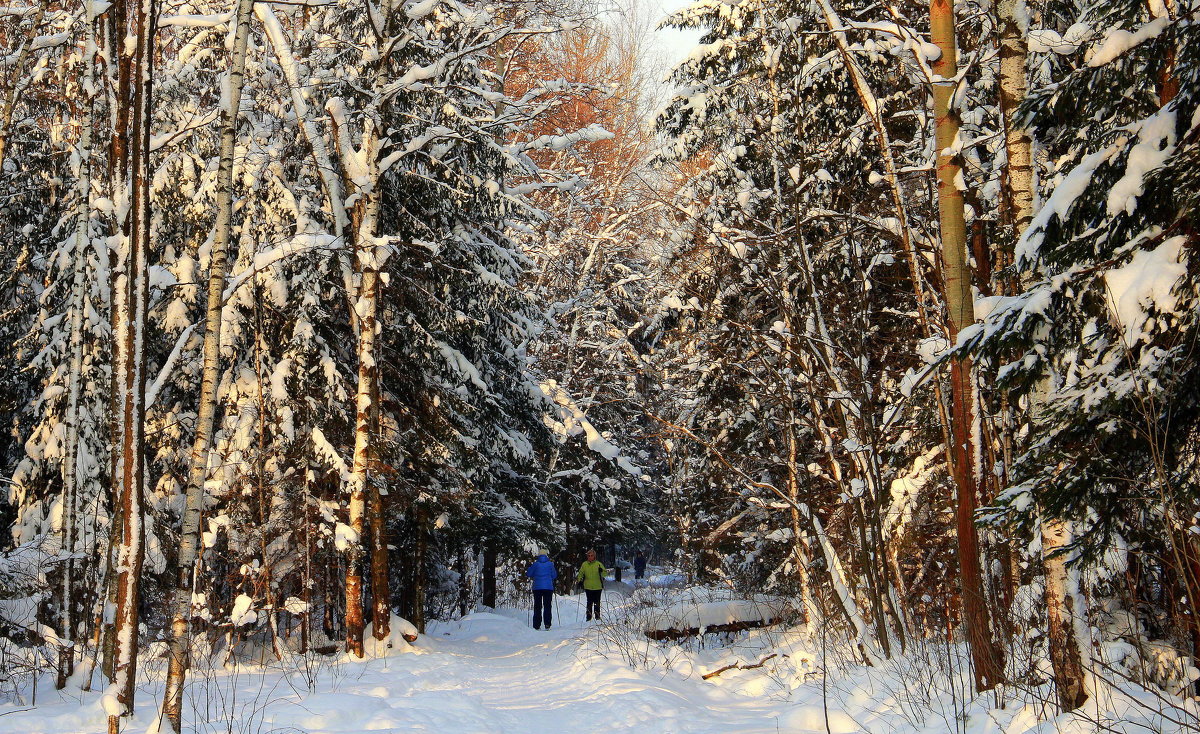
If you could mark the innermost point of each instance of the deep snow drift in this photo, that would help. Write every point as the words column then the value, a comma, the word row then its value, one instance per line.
column 491, row 673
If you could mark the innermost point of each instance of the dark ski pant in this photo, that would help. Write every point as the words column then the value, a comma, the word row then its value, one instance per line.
column 593, row 602
column 541, row 607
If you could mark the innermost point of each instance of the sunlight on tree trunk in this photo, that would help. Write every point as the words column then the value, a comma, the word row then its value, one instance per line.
column 986, row 655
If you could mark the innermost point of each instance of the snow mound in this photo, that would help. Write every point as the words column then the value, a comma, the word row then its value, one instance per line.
column 402, row 636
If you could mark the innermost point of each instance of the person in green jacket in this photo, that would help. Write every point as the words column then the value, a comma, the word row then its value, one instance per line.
column 591, row 575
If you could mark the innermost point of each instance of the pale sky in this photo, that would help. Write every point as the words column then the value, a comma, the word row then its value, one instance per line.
column 672, row 45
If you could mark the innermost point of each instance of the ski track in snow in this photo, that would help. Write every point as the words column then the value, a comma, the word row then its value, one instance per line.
column 488, row 673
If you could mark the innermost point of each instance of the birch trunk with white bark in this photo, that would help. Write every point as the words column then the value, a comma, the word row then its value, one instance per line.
column 1065, row 616
column 368, row 256
column 70, row 466
column 206, row 410
column 1018, row 173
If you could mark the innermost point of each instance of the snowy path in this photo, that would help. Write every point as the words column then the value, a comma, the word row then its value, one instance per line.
column 519, row 680
column 487, row 674
column 493, row 674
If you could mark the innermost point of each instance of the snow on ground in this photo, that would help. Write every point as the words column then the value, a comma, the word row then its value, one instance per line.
column 490, row 673
column 487, row 673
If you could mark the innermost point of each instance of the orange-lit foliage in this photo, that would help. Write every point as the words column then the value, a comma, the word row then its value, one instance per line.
column 599, row 61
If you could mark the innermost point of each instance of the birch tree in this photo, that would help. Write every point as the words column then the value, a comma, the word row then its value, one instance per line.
column 189, row 538
column 72, row 501
column 1018, row 168
column 369, row 255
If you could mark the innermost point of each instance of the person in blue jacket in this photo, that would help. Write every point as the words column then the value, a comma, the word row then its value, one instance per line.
column 639, row 566
column 543, row 573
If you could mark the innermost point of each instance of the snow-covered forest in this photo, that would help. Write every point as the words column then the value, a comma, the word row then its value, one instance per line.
column 873, row 325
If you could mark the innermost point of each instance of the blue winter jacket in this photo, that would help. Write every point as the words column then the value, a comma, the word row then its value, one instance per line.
column 543, row 573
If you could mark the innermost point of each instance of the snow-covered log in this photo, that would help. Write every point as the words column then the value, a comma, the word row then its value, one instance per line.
column 686, row 619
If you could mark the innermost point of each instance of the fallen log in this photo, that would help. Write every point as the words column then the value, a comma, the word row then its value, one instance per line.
column 686, row 619
column 675, row 633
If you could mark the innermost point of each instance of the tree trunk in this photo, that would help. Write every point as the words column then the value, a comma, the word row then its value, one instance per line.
column 1018, row 174
column 800, row 550
column 130, row 367
column 1065, row 611
column 119, row 68
column 369, row 256
column 70, row 466
column 464, row 586
column 306, row 590
column 358, row 478
column 381, row 593
column 418, row 570
column 189, row 539
column 986, row 655
column 108, row 596
column 489, row 578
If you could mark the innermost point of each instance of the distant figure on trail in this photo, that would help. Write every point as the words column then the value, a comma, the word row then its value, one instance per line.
column 543, row 573
column 639, row 566
column 591, row 575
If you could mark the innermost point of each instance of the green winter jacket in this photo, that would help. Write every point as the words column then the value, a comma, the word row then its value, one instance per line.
column 591, row 573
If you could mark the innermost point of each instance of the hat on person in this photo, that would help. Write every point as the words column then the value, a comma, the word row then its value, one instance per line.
column 542, row 552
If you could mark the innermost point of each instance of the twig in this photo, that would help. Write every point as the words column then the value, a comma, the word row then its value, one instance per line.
column 718, row 671
column 739, row 666
column 761, row 663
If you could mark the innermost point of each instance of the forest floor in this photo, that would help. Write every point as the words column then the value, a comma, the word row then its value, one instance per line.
column 491, row 673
